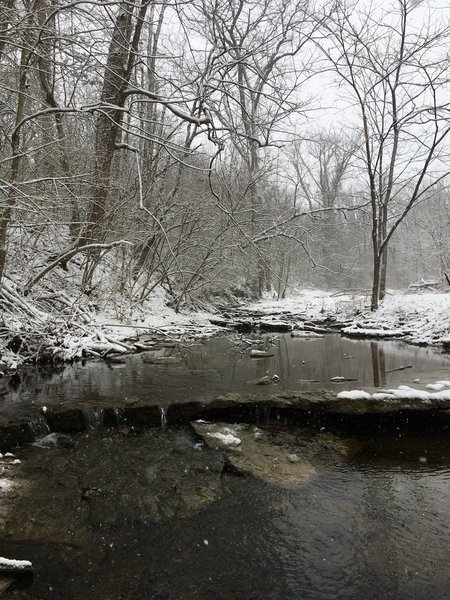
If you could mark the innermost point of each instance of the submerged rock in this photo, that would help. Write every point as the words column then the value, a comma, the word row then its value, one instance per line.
column 161, row 360
column 55, row 440
column 61, row 495
column 266, row 380
column 280, row 457
column 261, row 354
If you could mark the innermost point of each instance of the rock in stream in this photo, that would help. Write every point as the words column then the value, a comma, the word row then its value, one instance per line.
column 276, row 456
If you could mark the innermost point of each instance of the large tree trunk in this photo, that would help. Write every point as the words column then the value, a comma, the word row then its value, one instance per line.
column 258, row 277
column 109, row 119
column 119, row 65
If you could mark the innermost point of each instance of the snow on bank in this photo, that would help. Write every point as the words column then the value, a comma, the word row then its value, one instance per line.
column 14, row 564
column 403, row 392
column 66, row 325
column 313, row 304
column 370, row 332
column 154, row 315
column 80, row 329
column 417, row 318
column 426, row 317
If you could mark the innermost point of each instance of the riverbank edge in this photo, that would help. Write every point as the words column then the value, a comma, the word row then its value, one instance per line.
column 419, row 320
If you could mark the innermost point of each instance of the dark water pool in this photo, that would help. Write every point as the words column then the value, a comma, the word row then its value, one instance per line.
column 376, row 526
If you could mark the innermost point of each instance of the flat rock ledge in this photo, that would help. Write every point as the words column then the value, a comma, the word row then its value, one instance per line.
column 248, row 408
column 279, row 457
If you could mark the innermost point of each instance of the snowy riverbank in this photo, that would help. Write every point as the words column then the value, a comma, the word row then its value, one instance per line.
column 55, row 327
column 416, row 318
column 62, row 327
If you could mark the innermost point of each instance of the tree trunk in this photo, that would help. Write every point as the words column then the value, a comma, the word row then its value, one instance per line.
column 6, row 214
column 118, row 70
column 375, row 278
column 383, row 272
column 109, row 119
column 45, row 71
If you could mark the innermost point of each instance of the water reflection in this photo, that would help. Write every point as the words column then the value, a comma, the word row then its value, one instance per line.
column 378, row 364
column 223, row 364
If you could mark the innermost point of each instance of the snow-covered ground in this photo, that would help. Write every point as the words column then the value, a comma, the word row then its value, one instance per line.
column 313, row 304
column 424, row 317
column 418, row 318
column 70, row 327
column 156, row 316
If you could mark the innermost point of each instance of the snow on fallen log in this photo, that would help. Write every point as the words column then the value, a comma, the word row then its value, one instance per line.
column 306, row 334
column 10, row 294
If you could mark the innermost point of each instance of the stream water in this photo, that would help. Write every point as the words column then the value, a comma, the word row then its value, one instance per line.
column 223, row 364
column 115, row 515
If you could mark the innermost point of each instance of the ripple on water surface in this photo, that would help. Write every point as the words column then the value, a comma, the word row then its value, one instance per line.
column 375, row 526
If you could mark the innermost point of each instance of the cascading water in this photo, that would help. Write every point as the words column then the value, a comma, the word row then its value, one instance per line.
column 94, row 417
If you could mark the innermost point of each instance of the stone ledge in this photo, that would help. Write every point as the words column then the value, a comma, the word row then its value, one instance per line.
column 233, row 407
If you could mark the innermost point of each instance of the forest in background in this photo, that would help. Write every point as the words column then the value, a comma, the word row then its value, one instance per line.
column 218, row 147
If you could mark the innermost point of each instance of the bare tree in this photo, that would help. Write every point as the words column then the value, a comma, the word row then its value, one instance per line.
column 320, row 166
column 396, row 77
column 251, row 82
column 51, row 41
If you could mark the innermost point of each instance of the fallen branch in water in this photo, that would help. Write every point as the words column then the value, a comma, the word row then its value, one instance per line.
column 402, row 368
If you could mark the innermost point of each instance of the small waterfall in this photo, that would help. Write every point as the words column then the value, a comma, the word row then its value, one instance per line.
column 39, row 427
column 114, row 417
column 163, row 417
column 262, row 415
column 93, row 417
column 119, row 416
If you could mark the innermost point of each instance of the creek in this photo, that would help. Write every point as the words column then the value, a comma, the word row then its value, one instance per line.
column 221, row 365
column 123, row 514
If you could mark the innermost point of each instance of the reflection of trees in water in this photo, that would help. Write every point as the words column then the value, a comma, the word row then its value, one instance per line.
column 378, row 364
column 284, row 360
